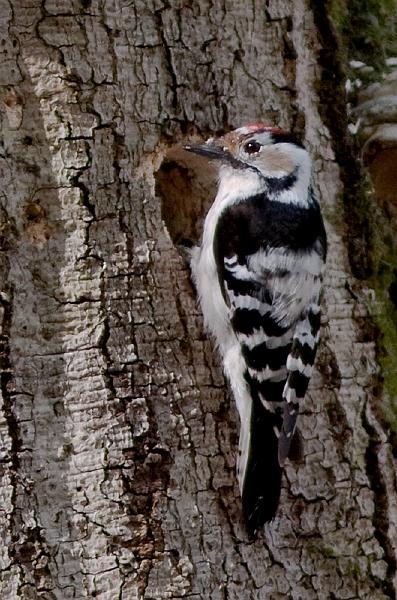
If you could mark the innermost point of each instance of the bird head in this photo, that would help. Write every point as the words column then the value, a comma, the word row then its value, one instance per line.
column 263, row 150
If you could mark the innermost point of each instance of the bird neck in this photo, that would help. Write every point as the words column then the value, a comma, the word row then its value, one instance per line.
column 238, row 185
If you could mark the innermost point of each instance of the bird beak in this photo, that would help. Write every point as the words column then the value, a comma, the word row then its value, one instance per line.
column 209, row 150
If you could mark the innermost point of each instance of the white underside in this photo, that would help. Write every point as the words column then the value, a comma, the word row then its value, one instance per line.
column 216, row 320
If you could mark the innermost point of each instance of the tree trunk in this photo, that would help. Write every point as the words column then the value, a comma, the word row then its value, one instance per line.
column 118, row 434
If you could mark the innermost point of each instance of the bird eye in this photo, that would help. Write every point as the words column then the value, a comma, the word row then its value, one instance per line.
column 252, row 147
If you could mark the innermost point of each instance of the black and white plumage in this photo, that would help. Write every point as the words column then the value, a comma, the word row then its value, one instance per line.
column 258, row 274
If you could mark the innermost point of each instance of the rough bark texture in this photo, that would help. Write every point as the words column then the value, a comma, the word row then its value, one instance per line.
column 117, row 433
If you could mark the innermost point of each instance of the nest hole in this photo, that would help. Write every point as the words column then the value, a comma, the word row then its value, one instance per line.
column 186, row 186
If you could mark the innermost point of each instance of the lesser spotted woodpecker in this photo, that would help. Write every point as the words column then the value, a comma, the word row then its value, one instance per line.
column 258, row 274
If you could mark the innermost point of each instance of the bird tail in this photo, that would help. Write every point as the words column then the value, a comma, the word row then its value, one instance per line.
column 260, row 476
column 258, row 469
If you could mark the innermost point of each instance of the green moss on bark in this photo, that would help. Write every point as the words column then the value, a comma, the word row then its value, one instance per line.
column 384, row 310
column 364, row 30
column 332, row 106
column 367, row 29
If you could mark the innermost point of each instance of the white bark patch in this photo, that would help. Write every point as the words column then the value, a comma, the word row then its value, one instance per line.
column 138, row 415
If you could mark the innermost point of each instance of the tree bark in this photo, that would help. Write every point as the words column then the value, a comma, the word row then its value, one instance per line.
column 117, row 432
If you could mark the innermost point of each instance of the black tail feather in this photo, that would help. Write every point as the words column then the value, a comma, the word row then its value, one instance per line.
column 262, row 482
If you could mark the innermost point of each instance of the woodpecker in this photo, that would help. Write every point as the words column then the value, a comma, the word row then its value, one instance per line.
column 258, row 273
